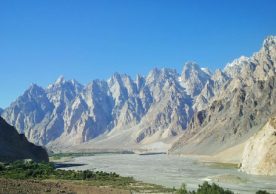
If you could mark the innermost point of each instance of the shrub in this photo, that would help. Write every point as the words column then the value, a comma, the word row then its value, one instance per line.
column 206, row 188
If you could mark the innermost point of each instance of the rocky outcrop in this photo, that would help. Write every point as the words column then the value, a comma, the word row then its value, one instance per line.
column 259, row 156
column 14, row 146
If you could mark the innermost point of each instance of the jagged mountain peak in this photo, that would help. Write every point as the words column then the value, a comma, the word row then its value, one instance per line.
column 117, row 76
column 60, row 80
column 33, row 90
column 238, row 62
column 96, row 85
column 163, row 74
column 235, row 68
column 145, row 109
column 269, row 41
column 120, row 80
column 191, row 65
column 191, row 69
column 193, row 78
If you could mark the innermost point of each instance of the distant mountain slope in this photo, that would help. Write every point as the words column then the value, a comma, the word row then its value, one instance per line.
column 15, row 147
column 241, row 106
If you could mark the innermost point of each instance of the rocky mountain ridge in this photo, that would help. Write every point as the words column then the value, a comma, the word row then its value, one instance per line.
column 154, row 105
column 153, row 111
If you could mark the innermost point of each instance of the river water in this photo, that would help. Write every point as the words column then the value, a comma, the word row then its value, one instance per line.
column 172, row 171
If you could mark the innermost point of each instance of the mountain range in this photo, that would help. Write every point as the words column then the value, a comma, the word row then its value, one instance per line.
column 194, row 111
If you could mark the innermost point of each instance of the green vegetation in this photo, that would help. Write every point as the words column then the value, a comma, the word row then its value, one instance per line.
column 32, row 170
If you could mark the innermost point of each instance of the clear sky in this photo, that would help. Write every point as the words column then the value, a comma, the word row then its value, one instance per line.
column 85, row 40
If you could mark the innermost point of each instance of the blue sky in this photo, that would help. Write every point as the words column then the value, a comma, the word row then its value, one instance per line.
column 85, row 40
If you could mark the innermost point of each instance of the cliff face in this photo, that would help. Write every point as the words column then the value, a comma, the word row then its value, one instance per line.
column 259, row 156
column 14, row 146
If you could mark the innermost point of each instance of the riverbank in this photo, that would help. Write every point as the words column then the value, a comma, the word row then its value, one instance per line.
column 171, row 171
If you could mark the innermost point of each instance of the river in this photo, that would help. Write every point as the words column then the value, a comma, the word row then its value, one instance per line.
column 172, row 171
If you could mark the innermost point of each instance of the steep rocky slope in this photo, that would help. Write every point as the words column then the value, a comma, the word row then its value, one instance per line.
column 240, row 105
column 259, row 156
column 14, row 146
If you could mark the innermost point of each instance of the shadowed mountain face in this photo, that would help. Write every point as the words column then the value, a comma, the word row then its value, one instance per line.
column 14, row 146
column 152, row 111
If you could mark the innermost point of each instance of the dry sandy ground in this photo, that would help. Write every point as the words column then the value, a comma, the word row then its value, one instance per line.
column 8, row 186
column 231, row 155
